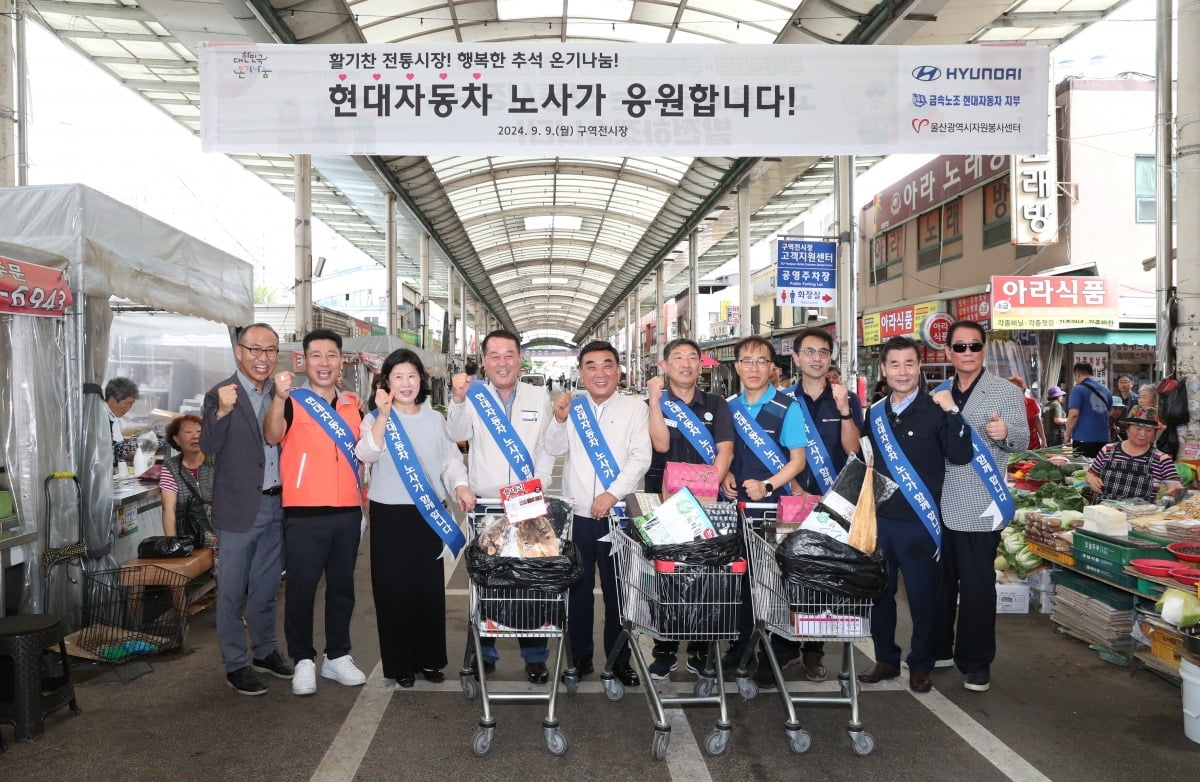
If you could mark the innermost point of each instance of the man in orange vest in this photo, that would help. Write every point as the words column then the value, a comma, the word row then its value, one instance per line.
column 317, row 426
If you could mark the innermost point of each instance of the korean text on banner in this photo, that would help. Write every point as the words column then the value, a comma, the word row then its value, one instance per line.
column 1054, row 302
column 804, row 273
column 623, row 99
column 29, row 289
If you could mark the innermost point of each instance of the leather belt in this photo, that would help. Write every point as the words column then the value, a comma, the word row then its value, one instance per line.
column 274, row 491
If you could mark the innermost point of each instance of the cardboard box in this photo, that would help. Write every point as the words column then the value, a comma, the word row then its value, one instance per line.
column 1012, row 598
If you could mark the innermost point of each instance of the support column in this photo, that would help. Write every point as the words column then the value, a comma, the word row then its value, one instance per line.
column 1164, row 127
column 660, row 313
column 637, row 333
column 393, row 304
column 462, row 308
column 424, row 259
column 629, row 342
column 847, row 267
column 1187, row 266
column 745, row 285
column 8, row 122
column 302, row 182
column 693, row 286
column 448, row 337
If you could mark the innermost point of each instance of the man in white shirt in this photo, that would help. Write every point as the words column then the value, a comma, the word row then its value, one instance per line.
column 596, row 477
column 527, row 410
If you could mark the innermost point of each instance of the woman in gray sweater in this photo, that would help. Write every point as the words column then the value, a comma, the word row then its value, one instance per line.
column 406, row 569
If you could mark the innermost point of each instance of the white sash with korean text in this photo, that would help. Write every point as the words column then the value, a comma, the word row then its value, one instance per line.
column 408, row 466
column 598, row 451
column 496, row 421
column 1003, row 508
column 331, row 423
column 911, row 486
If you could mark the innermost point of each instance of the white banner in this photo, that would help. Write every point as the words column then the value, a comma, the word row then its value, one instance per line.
column 623, row 99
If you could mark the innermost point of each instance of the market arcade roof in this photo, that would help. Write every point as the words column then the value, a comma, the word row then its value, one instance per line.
column 614, row 219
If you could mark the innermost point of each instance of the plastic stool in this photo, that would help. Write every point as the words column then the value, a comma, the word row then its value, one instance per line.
column 23, row 638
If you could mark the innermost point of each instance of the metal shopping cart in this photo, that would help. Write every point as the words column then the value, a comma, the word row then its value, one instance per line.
column 670, row 601
column 513, row 612
column 795, row 613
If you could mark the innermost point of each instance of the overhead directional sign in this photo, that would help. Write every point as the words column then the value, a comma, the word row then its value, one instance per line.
column 804, row 273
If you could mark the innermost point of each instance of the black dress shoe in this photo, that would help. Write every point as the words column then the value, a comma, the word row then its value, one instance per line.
column 406, row 681
column 489, row 667
column 626, row 675
column 919, row 681
column 878, row 673
column 537, row 673
column 584, row 666
column 437, row 677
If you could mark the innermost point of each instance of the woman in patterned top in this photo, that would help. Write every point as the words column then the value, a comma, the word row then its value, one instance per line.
column 1133, row 468
column 186, row 483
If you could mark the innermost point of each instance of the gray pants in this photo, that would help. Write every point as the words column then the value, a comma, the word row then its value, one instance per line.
column 248, row 574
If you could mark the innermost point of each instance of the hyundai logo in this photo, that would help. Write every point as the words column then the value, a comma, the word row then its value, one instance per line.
column 927, row 73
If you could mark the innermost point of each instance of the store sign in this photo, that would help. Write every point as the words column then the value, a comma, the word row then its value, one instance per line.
column 878, row 327
column 29, row 289
column 976, row 307
column 936, row 330
column 804, row 273
column 1041, row 303
column 1034, row 195
column 1099, row 362
column 1139, row 354
column 933, row 356
column 939, row 181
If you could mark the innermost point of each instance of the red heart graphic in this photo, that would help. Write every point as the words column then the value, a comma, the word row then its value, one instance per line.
column 919, row 123
column 477, row 76
column 410, row 76
column 341, row 77
column 443, row 75
column 376, row 76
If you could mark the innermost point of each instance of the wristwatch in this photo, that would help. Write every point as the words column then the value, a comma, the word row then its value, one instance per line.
column 768, row 488
column 954, row 410
column 844, row 417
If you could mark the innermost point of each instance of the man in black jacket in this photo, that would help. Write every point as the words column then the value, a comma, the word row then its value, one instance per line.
column 913, row 435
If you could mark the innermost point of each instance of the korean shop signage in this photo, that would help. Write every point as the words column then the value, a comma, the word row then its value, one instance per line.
column 1054, row 302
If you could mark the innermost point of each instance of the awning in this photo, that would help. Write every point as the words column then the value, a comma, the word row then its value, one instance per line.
column 1097, row 337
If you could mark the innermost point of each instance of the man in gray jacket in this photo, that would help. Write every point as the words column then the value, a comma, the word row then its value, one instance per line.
column 976, row 506
column 247, row 512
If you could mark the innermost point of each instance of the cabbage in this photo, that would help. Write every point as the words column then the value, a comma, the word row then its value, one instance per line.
column 1012, row 540
column 1180, row 608
column 1026, row 560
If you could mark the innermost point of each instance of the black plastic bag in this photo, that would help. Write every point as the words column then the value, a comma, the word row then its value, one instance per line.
column 720, row 550
column 550, row 575
column 1168, row 442
column 696, row 601
column 165, row 547
column 812, row 560
column 1172, row 402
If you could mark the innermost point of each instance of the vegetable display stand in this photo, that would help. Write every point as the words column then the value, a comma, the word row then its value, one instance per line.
column 513, row 612
column 674, row 602
column 796, row 613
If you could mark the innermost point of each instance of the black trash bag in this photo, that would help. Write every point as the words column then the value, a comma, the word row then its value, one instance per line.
column 720, row 550
column 1172, row 402
column 558, row 513
column 697, row 601
column 166, row 547
column 812, row 560
column 1168, row 442
column 550, row 575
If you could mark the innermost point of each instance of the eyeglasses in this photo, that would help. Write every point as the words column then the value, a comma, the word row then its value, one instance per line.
column 822, row 352
column 754, row 362
column 257, row 351
column 963, row 347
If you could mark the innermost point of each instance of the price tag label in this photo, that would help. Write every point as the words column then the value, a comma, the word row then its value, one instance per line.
column 523, row 501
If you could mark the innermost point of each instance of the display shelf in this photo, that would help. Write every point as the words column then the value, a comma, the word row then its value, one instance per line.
column 1158, row 665
column 1094, row 577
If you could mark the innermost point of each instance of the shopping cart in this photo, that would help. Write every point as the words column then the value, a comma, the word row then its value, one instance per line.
column 669, row 601
column 513, row 612
column 796, row 614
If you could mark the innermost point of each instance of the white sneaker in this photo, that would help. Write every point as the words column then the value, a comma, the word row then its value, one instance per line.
column 343, row 671
column 947, row 662
column 304, row 679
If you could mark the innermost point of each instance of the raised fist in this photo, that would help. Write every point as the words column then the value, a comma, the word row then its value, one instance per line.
column 226, row 398
column 561, row 406
column 383, row 401
column 459, row 385
column 654, row 388
column 283, row 384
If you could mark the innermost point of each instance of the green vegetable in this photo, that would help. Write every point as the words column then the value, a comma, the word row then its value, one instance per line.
column 1044, row 471
column 1012, row 540
column 1001, row 563
column 1026, row 560
column 1180, row 608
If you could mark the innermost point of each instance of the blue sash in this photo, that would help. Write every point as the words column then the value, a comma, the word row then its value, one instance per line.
column 911, row 485
column 331, row 422
column 409, row 469
column 760, row 443
column 993, row 479
column 818, row 455
column 693, row 428
column 603, row 461
column 501, row 429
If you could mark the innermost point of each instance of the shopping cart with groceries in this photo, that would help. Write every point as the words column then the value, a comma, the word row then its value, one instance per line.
column 674, row 599
column 518, row 597
column 797, row 613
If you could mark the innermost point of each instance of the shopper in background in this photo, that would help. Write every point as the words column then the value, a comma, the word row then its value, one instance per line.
column 186, row 483
column 1125, row 391
column 1033, row 415
column 407, row 574
column 1088, row 406
column 246, row 514
column 981, row 505
column 1147, row 397
column 120, row 394
column 1054, row 417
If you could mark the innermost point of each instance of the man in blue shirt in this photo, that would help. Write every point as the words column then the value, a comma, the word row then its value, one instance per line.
column 1087, row 412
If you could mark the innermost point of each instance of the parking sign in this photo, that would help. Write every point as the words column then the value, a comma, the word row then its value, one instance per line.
column 804, row 273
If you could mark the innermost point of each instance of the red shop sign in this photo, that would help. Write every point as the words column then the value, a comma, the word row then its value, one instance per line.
column 29, row 289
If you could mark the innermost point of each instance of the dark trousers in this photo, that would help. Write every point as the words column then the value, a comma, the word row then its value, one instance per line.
column 325, row 544
column 247, row 584
column 968, row 590
column 908, row 549
column 408, row 584
column 586, row 532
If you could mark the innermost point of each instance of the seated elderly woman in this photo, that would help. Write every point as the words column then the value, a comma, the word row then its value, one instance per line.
column 1133, row 468
column 186, row 483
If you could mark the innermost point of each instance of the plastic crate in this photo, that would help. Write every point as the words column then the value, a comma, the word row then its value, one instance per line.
column 1110, row 596
column 1101, row 568
column 1118, row 553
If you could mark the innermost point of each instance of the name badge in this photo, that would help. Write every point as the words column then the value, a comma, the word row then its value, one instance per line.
column 529, row 415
